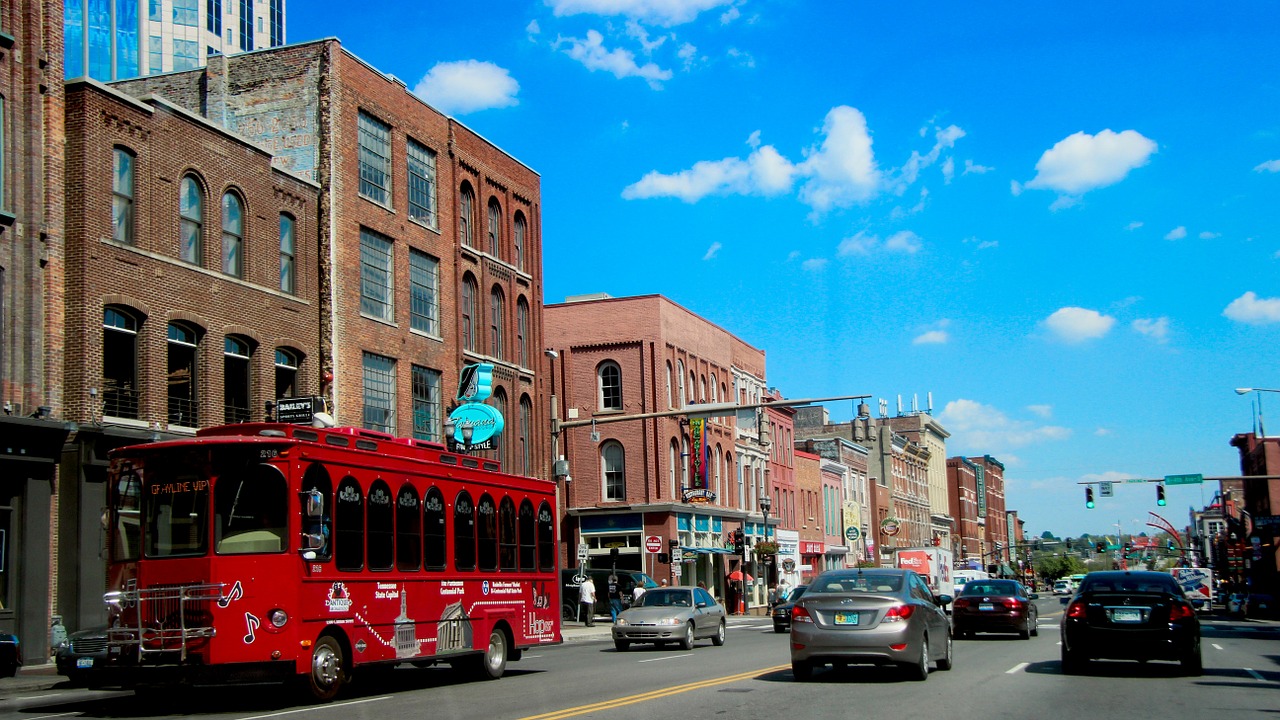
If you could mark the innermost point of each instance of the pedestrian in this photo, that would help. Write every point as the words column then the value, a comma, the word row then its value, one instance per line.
column 587, row 601
column 783, row 590
column 615, row 598
column 636, row 594
column 662, row 582
column 731, row 595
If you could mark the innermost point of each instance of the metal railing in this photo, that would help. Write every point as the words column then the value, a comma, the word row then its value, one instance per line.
column 163, row 619
column 183, row 412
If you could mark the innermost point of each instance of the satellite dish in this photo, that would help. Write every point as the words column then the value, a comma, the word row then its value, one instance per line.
column 322, row 420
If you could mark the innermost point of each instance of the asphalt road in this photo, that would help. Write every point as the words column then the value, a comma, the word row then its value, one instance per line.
column 749, row 677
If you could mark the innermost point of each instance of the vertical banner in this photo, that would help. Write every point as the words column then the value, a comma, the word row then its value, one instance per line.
column 697, row 453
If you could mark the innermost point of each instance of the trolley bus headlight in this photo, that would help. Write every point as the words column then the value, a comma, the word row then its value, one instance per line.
column 278, row 617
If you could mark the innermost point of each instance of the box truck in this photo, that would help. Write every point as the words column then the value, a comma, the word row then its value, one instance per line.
column 934, row 563
column 1197, row 585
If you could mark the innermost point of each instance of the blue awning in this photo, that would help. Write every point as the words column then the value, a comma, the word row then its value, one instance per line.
column 707, row 550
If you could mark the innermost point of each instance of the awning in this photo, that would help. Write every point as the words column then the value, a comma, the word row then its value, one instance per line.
column 707, row 550
column 837, row 550
column 1006, row 571
column 36, row 444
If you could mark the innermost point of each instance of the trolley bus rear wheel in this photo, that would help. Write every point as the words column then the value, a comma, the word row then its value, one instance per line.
column 328, row 673
column 493, row 663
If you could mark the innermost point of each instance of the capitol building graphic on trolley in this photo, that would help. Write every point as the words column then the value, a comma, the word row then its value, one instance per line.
column 406, row 629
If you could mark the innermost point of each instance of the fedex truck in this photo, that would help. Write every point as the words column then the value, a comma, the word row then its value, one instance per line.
column 1197, row 585
column 934, row 563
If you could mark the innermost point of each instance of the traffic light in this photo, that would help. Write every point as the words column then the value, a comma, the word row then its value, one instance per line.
column 1128, row 548
column 1088, row 497
column 1101, row 547
column 1172, row 547
column 739, row 543
column 1160, row 496
column 1069, row 543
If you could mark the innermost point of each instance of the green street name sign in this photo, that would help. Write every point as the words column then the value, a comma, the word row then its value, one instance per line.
column 1193, row 479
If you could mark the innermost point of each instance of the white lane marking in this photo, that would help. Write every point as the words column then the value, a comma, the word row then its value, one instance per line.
column 44, row 717
column 669, row 657
column 1256, row 675
column 529, row 656
column 38, row 697
column 314, row 709
column 1216, row 646
column 1016, row 668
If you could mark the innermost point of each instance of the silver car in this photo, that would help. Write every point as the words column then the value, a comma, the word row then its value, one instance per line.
column 875, row 615
column 672, row 614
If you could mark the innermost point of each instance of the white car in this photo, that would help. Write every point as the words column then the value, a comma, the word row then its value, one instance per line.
column 1062, row 587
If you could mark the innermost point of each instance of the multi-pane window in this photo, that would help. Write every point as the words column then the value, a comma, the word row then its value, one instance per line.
column 191, row 210
column 183, row 344
column 495, row 227
column 155, row 54
column 277, row 23
column 518, row 237
column 213, row 16
column 186, row 13
column 155, row 10
column 186, row 54
column 122, row 196
column 119, row 363
column 126, row 44
column 526, row 435
column 610, row 383
column 286, row 373
column 467, row 310
column 424, row 292
column 522, row 332
column 375, row 159
column 376, row 290
column 426, row 403
column 466, row 206
column 288, row 255
column 422, row 183
column 499, row 442
column 232, row 235
column 246, row 25
column 495, row 323
column 235, row 378
column 612, row 465
column 379, row 392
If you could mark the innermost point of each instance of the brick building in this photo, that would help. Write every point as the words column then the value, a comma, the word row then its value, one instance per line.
column 781, row 482
column 962, row 486
column 991, row 509
column 812, row 549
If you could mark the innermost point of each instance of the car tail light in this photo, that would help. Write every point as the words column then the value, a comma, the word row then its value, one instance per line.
column 960, row 603
column 898, row 612
column 1013, row 604
column 799, row 615
column 1075, row 609
column 1181, row 611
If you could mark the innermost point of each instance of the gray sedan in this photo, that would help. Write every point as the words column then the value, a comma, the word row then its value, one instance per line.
column 877, row 615
column 674, row 614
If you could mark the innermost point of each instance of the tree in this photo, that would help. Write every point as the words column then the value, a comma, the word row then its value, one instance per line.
column 1053, row 567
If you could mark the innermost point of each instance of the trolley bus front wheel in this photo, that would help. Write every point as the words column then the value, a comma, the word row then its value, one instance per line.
column 328, row 671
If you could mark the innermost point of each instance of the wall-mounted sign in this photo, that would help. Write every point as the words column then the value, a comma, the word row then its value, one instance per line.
column 298, row 410
column 475, row 382
column 698, row 495
column 890, row 526
column 852, row 533
column 474, row 426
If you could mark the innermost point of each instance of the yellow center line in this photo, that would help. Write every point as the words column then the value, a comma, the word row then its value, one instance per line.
column 653, row 695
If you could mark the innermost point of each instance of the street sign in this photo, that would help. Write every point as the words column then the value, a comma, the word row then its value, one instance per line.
column 677, row 555
column 1105, row 489
column 582, row 551
column 1191, row 479
column 1136, row 480
column 852, row 533
column 653, row 544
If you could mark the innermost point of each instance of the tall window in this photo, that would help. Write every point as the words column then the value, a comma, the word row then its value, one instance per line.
column 277, row 23
column 155, row 53
column 408, row 530
column 126, row 45
column 466, row 206
column 609, row 385
column 464, row 533
column 495, row 323
column 122, row 197
column 680, row 387
column 379, row 392
column 119, row 363
column 232, row 235
column 380, row 537
column 528, row 536
column 670, row 398
column 467, row 308
column 213, row 16
column 519, row 240
column 246, row 25
column 612, row 465
column 546, row 538
column 191, row 210
column 500, row 445
column 495, row 227
column 376, row 296
column 507, row 547
column 426, row 403
column 288, row 252
column 424, row 290
column 434, row 535
column 486, row 534
column 186, row 13
column 348, row 526
column 183, row 343
column 235, row 378
column 286, row 373
column 522, row 332
column 422, row 183
column 526, row 436
column 375, row 159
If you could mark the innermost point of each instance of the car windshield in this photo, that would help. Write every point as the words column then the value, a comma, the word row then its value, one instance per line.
column 667, row 598
column 860, row 583
column 990, row 588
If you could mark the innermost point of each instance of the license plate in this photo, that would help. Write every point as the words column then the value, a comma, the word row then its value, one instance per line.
column 844, row 618
column 1126, row 615
column 986, row 607
column 84, row 662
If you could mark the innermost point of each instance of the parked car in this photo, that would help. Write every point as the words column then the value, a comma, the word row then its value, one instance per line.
column 782, row 611
column 10, row 655
column 994, row 606
column 672, row 614
column 884, row 616
column 1130, row 615
column 627, row 581
column 81, row 654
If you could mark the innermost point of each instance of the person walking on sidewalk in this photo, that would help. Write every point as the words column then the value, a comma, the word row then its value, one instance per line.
column 587, row 601
column 615, row 598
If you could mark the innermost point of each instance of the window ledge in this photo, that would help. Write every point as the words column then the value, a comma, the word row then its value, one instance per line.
column 6, row 217
column 6, row 40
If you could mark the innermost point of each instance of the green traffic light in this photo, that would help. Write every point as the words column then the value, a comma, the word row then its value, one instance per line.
column 1088, row 497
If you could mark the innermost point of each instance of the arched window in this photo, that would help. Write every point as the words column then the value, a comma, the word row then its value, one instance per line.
column 434, row 535
column 348, row 526
column 670, row 398
column 466, row 206
column 495, row 227
column 287, row 363
column 609, row 386
column 528, row 536
column 702, row 397
column 508, row 541
column 408, row 530
column 184, row 341
column 232, row 235
column 500, row 445
column 546, row 538
column 464, row 533
column 467, row 308
column 191, row 210
column 486, row 534
column 522, row 332
column 680, row 388
column 119, row 363
column 122, row 190
column 381, row 529
column 714, row 396
column 496, row 303
column 715, row 460
column 235, row 378
column 613, row 470
column 673, row 467
column 288, row 255
column 684, row 461
column 519, row 239
column 526, row 436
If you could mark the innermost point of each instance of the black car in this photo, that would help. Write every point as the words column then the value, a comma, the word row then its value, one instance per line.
column 10, row 655
column 782, row 611
column 1130, row 615
column 81, row 654
column 994, row 606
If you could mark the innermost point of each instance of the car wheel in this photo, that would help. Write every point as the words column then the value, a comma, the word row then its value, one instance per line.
column 1035, row 626
column 946, row 662
column 621, row 645
column 919, row 670
column 801, row 671
column 328, row 669
column 718, row 638
column 686, row 642
column 1025, row 632
column 1192, row 665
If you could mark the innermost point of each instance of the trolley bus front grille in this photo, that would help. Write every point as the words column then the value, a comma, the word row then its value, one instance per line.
column 162, row 619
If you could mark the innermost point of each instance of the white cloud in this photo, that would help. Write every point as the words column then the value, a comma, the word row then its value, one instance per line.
column 932, row 337
column 944, row 139
column 729, row 15
column 687, row 54
column 764, row 172
column 638, row 32
column 711, row 251
column 903, row 241
column 1157, row 329
column 1082, row 162
column 948, row 170
column 1075, row 324
column 657, row 12
column 1271, row 166
column 865, row 243
column 593, row 55
column 743, row 58
column 1102, row 432
column 842, row 170
column 1177, row 233
column 533, row 28
column 793, row 255
column 970, row 167
column 1251, row 309
column 981, row 244
column 976, row 427
column 1208, row 235
column 1063, row 202
column 467, row 86
column 814, row 264
column 1044, row 411
column 1133, row 226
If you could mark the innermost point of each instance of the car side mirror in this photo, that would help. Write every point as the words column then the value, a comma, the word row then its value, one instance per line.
column 943, row 599
column 1035, row 596
column 702, row 604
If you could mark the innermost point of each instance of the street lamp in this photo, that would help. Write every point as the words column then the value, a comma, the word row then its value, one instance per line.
column 1262, row 431
column 765, row 504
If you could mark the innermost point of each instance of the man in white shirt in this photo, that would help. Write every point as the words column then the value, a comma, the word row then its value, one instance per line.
column 636, row 594
column 587, row 601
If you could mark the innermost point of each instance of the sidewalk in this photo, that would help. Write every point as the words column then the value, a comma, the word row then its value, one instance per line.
column 30, row 680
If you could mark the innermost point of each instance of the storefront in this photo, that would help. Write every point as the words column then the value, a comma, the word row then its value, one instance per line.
column 812, row 559
column 788, row 556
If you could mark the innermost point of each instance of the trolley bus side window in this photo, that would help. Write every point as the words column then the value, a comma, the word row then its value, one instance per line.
column 348, row 526
column 251, row 506
column 317, row 524
column 434, row 530
column 126, row 513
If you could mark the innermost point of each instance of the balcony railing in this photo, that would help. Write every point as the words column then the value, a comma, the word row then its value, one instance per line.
column 236, row 414
column 121, row 403
column 182, row 411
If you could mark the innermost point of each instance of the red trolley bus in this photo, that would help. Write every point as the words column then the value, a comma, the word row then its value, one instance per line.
column 272, row 551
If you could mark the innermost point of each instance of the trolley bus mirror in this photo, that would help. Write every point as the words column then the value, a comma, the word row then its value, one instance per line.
column 313, row 504
column 312, row 541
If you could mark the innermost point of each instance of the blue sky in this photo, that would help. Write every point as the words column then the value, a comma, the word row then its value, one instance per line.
column 1060, row 219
